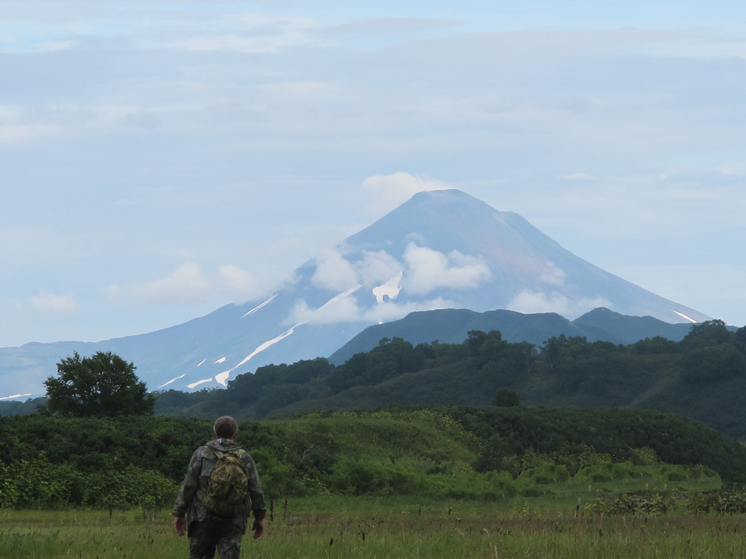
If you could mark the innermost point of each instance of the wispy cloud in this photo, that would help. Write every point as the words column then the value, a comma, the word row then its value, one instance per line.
column 529, row 302
column 334, row 272
column 429, row 269
column 389, row 191
column 341, row 308
column 188, row 285
column 239, row 282
column 185, row 285
column 47, row 302
column 346, row 308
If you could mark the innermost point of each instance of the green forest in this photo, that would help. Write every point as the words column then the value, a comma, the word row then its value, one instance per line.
column 702, row 377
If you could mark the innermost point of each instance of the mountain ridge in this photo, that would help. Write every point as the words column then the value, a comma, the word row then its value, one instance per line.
column 453, row 325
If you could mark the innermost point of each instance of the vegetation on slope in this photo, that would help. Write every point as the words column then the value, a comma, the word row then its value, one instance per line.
column 702, row 377
column 438, row 452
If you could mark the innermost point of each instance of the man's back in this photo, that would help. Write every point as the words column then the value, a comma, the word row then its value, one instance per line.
column 193, row 495
column 220, row 488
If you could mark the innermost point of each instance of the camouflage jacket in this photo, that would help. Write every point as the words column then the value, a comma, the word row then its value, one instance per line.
column 190, row 502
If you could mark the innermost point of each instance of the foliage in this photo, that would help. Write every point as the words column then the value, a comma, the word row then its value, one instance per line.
column 724, row 501
column 633, row 505
column 96, row 444
column 702, row 377
column 710, row 333
column 445, row 452
column 103, row 385
column 41, row 484
column 506, row 398
column 31, row 405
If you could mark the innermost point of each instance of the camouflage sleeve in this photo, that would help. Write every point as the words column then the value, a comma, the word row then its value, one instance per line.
column 189, row 486
column 255, row 491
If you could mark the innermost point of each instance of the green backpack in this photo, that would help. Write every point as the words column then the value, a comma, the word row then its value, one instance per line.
column 228, row 486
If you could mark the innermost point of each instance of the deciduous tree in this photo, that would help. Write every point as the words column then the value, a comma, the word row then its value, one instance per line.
column 103, row 385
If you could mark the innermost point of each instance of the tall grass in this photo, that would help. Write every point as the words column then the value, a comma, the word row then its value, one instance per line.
column 386, row 528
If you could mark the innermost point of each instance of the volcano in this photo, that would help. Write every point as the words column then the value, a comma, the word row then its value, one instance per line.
column 441, row 249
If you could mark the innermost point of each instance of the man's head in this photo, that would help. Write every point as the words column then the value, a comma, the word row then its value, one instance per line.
column 225, row 428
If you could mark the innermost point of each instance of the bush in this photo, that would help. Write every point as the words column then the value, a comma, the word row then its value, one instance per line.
column 670, row 472
column 547, row 474
column 40, row 484
column 602, row 473
column 356, row 477
column 627, row 504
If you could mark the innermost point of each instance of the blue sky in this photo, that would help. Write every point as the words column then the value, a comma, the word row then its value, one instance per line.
column 160, row 159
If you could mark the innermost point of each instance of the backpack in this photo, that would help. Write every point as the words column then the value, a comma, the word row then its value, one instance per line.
column 228, row 486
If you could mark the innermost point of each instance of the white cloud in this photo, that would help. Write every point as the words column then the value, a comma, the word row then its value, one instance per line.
column 377, row 267
column 238, row 282
column 303, row 89
column 13, row 134
column 342, row 308
column 390, row 191
column 529, row 302
column 334, row 272
column 254, row 33
column 430, row 269
column 345, row 308
column 552, row 275
column 389, row 310
column 184, row 286
column 47, row 302
column 188, row 285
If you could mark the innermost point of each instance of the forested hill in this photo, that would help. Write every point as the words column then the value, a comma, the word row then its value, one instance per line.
column 702, row 377
column 453, row 326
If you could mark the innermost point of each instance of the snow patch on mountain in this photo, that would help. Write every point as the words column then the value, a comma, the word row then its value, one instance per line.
column 174, row 379
column 222, row 378
column 14, row 396
column 389, row 289
column 199, row 382
column 682, row 315
column 264, row 304
column 221, row 360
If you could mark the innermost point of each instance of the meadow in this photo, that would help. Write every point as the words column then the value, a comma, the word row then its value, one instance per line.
column 396, row 483
column 379, row 528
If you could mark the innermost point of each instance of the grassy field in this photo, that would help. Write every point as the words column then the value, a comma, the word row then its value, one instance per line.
column 388, row 527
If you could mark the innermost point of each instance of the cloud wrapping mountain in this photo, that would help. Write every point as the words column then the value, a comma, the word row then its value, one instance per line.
column 441, row 249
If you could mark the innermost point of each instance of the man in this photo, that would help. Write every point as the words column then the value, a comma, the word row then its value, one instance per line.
column 208, row 530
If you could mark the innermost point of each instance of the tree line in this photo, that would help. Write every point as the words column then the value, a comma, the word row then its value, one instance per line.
column 703, row 377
